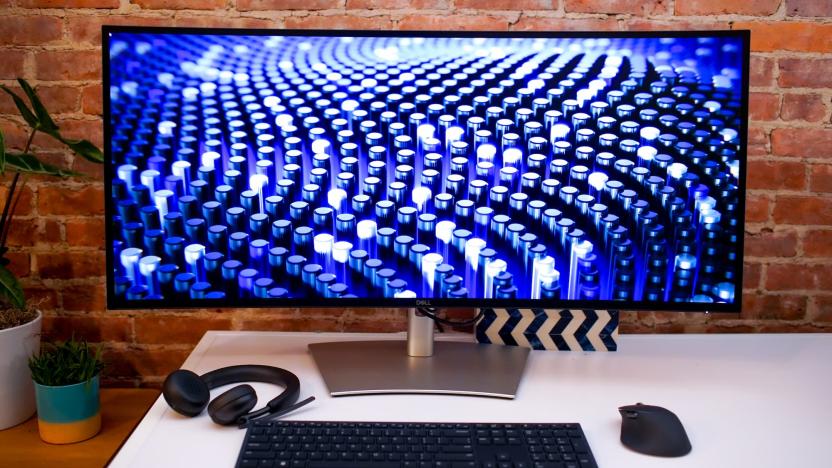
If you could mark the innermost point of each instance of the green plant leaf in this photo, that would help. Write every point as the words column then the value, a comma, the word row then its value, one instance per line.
column 27, row 114
column 85, row 149
column 29, row 164
column 10, row 288
column 47, row 125
column 66, row 363
column 3, row 154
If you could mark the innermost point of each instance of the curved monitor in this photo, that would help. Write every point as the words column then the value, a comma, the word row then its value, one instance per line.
column 358, row 168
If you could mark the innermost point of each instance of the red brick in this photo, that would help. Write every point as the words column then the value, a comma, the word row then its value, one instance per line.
column 25, row 205
column 793, row 327
column 175, row 329
column 20, row 263
column 134, row 361
column 247, row 5
column 761, row 71
column 62, row 200
column 359, row 325
column 11, row 66
column 87, row 29
column 774, row 306
column 338, row 22
column 506, row 4
column 792, row 209
column 31, row 30
column 531, row 23
column 92, row 130
column 634, row 7
column 789, row 276
column 68, row 3
column 28, row 232
column 47, row 144
column 59, row 99
column 820, row 178
column 811, row 142
column 454, row 22
column 808, row 107
column 675, row 24
column 84, row 327
column 757, row 141
column 817, row 243
column 41, row 297
column 14, row 133
column 808, row 8
column 204, row 21
column 85, row 232
column 92, row 100
column 805, row 73
column 771, row 244
column 721, row 7
column 794, row 36
column 756, row 209
column 180, row 4
column 91, row 170
column 823, row 275
column 22, row 232
column 729, row 327
column 763, row 106
column 70, row 265
column 396, row 4
column 51, row 233
column 332, row 323
column 776, row 175
column 66, row 65
column 86, row 298
column 751, row 275
column 822, row 310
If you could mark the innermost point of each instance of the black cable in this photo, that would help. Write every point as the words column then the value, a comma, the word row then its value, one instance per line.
column 430, row 312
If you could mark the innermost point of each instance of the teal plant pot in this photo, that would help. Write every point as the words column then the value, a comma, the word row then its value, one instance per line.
column 69, row 413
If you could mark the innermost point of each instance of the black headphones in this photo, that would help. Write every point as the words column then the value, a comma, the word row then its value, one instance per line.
column 188, row 393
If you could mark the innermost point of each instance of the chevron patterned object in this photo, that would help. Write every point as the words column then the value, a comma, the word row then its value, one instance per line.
column 552, row 329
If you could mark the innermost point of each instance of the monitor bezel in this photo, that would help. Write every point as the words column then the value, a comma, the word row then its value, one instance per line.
column 113, row 303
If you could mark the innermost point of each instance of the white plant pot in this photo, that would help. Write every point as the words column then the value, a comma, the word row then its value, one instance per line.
column 17, row 392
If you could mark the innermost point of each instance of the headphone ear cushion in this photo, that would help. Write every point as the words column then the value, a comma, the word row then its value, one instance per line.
column 229, row 407
column 185, row 392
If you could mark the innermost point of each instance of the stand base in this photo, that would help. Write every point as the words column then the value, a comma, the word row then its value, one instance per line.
column 373, row 367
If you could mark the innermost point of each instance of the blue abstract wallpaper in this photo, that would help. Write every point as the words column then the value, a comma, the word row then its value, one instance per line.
column 281, row 167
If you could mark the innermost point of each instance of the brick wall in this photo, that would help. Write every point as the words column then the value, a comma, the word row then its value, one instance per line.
column 58, row 238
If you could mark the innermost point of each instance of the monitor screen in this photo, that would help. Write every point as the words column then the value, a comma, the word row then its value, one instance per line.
column 357, row 168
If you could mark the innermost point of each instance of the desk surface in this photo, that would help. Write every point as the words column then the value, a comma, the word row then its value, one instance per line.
column 746, row 400
column 121, row 410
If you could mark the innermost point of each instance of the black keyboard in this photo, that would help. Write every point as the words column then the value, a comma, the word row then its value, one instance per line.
column 307, row 444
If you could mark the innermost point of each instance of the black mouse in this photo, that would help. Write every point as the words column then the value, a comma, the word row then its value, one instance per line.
column 653, row 430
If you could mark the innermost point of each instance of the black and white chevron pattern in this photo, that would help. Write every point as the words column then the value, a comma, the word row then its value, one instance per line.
column 553, row 329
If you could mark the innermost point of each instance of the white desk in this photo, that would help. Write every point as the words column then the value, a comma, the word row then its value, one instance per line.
column 746, row 400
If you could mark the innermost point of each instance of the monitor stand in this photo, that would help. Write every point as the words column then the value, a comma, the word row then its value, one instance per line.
column 420, row 365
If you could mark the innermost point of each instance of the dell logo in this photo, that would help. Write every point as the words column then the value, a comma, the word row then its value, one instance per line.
column 422, row 302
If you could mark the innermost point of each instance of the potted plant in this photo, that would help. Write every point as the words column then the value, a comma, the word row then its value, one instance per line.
column 67, row 391
column 20, row 322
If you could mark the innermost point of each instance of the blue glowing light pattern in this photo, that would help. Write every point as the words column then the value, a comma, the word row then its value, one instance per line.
column 420, row 167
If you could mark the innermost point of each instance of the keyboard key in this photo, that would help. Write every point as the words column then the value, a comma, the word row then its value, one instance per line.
column 348, row 464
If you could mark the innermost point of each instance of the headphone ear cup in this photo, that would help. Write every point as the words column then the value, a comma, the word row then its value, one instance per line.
column 185, row 392
column 229, row 407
